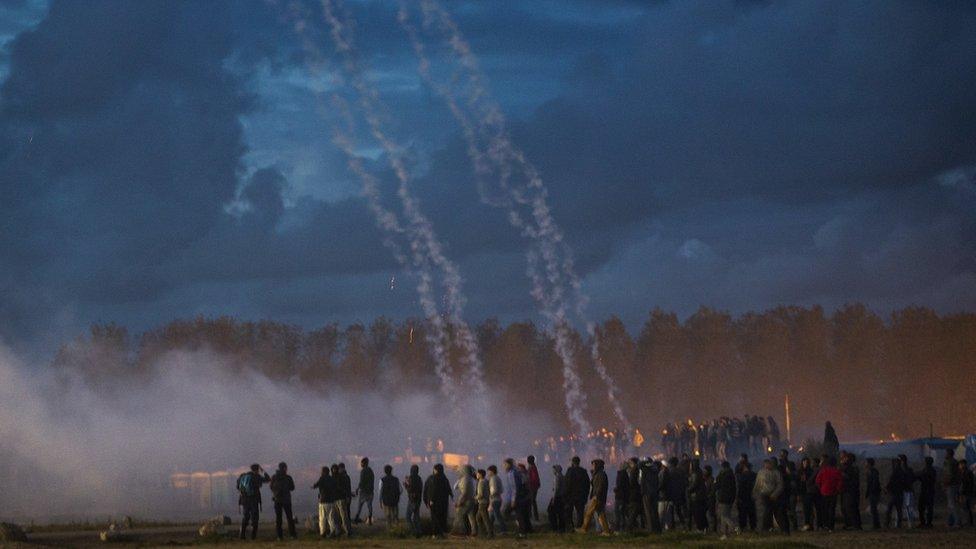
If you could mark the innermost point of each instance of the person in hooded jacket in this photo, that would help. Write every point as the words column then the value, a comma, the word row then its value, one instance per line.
column 344, row 504
column 282, row 485
column 597, row 504
column 649, row 489
column 390, row 497
column 725, row 491
column 557, row 505
column 767, row 492
column 414, row 486
column 465, row 507
column 437, row 496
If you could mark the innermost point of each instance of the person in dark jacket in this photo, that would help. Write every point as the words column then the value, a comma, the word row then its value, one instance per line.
column 365, row 490
column 282, row 485
column 725, row 492
column 745, row 481
column 950, row 483
column 909, row 501
column 788, row 500
column 851, row 496
column 557, row 506
column 328, row 496
column 895, row 488
column 534, row 482
column 873, row 492
column 967, row 490
column 523, row 500
column 676, row 486
column 635, row 503
column 649, row 488
column 577, row 490
column 597, row 504
column 697, row 495
column 390, row 496
column 710, row 509
column 414, row 486
column 249, row 485
column 926, row 492
column 437, row 495
column 831, row 443
column 806, row 487
column 621, row 498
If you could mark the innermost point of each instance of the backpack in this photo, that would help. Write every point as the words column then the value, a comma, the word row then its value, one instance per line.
column 246, row 485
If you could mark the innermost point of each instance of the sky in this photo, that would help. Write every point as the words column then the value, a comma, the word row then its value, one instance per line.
column 163, row 160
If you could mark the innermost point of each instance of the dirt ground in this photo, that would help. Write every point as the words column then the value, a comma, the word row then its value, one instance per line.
column 377, row 537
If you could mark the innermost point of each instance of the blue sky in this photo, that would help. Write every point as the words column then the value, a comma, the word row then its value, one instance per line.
column 167, row 159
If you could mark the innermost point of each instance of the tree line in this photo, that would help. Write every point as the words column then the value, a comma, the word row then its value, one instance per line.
column 873, row 376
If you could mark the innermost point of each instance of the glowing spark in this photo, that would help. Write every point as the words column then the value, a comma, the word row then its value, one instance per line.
column 411, row 335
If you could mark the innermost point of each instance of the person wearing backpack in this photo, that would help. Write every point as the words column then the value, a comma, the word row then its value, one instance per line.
column 249, row 486
column 282, row 485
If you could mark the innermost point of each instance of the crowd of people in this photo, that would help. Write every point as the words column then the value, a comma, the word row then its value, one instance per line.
column 722, row 437
column 648, row 495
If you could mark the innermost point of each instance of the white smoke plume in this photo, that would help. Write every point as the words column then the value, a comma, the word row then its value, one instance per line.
column 493, row 152
column 424, row 240
column 74, row 449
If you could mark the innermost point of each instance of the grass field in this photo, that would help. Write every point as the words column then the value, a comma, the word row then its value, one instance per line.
column 377, row 537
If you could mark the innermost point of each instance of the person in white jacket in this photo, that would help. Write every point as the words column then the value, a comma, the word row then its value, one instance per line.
column 496, row 490
column 465, row 508
column 508, row 481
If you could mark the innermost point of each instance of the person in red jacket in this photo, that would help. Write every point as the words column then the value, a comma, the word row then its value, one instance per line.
column 534, row 484
column 831, row 484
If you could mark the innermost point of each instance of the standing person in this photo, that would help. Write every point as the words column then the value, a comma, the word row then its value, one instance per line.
column 365, row 490
column 496, row 493
column 665, row 505
column 534, row 484
column 697, row 495
column 831, row 443
column 598, row 500
column 724, row 498
column 437, row 495
column 414, row 486
column 523, row 501
column 390, row 497
column 650, row 488
column 767, row 492
column 926, row 492
column 873, row 492
column 557, row 505
column 788, row 469
column 896, row 492
column 967, row 490
column 908, row 484
column 676, row 486
column 508, row 482
column 282, row 485
column 851, row 496
column 830, row 483
column 578, row 490
column 950, row 483
column 621, row 499
column 635, row 503
column 745, row 482
column 328, row 495
column 344, row 503
column 482, row 498
column 804, row 479
column 465, row 507
column 249, row 485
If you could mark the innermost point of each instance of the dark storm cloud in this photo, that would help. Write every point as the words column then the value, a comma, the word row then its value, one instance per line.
column 165, row 159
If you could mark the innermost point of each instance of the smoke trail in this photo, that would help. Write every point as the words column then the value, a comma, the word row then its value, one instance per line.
column 504, row 155
column 424, row 238
column 386, row 220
